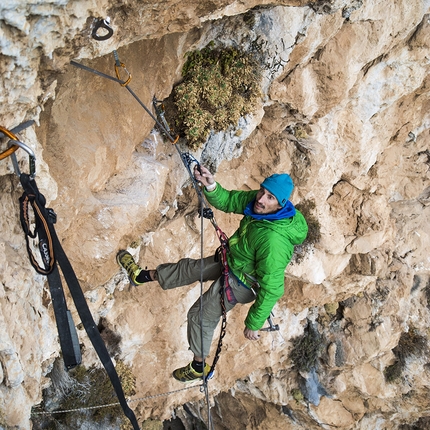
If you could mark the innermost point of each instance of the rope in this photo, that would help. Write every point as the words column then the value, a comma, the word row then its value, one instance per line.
column 108, row 405
column 205, row 380
column 205, row 212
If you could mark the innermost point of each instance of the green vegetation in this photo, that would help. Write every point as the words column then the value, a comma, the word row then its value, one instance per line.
column 307, row 208
column 307, row 349
column 99, row 392
column 394, row 372
column 220, row 85
column 84, row 388
column 152, row 425
column 111, row 339
column 331, row 308
column 297, row 395
column 423, row 423
column 2, row 419
column 411, row 344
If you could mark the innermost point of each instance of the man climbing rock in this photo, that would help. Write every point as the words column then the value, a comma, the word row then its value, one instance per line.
column 259, row 252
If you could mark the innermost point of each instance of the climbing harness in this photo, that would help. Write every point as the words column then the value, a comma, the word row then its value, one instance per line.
column 255, row 285
column 50, row 256
column 102, row 23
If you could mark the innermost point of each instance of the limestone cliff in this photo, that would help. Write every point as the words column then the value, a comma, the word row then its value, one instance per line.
column 345, row 109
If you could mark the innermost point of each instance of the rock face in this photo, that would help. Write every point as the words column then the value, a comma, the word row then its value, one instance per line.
column 345, row 110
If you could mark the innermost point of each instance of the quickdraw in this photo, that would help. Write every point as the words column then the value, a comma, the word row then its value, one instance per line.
column 118, row 64
column 44, row 217
column 31, row 160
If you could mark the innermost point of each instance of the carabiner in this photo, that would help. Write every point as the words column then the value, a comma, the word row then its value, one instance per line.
column 102, row 23
column 11, row 149
column 272, row 327
column 127, row 81
column 31, row 159
column 118, row 64
column 190, row 159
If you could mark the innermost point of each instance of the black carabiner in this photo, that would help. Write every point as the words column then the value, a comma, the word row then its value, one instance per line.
column 102, row 23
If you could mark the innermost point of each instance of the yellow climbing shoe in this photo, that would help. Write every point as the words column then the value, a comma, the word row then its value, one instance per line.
column 126, row 260
column 188, row 374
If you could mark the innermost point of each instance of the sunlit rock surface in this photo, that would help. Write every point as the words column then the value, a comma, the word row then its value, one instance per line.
column 345, row 110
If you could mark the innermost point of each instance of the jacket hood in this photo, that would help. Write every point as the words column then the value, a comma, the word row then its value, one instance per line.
column 288, row 222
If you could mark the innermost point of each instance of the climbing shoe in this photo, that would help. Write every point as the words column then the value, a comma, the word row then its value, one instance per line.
column 188, row 374
column 126, row 260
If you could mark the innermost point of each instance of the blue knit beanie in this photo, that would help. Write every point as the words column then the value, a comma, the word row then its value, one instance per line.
column 280, row 185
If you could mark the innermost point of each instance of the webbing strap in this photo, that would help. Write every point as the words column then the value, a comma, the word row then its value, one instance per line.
column 45, row 229
column 66, row 331
column 91, row 328
column 43, row 219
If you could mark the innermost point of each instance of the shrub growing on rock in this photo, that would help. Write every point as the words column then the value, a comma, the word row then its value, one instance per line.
column 411, row 344
column 220, row 85
column 307, row 349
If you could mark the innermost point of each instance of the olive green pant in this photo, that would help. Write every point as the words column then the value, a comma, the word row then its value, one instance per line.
column 188, row 271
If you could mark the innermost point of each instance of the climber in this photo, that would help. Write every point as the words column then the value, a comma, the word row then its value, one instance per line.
column 259, row 252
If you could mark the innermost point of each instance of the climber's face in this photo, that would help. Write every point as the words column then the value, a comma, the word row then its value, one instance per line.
column 265, row 203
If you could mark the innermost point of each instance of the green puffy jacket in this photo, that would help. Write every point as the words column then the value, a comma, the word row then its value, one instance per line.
column 259, row 248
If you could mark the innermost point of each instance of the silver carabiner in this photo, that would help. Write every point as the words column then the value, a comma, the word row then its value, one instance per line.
column 272, row 327
column 31, row 158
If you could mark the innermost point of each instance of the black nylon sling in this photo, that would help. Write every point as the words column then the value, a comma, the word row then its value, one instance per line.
column 44, row 218
column 51, row 253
